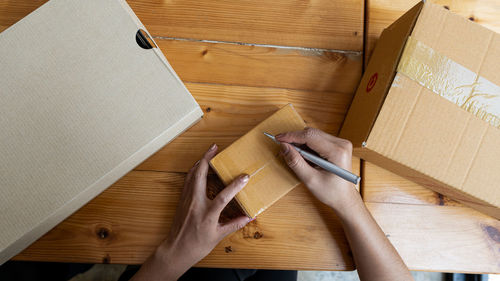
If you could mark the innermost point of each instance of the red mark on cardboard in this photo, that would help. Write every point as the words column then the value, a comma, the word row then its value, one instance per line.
column 371, row 82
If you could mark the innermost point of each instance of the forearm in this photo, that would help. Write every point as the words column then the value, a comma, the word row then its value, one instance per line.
column 161, row 266
column 375, row 257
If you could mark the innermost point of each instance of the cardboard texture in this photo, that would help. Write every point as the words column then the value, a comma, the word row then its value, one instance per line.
column 427, row 106
column 258, row 156
column 82, row 104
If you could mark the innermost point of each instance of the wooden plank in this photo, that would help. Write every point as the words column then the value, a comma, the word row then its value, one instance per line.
column 430, row 231
column 248, row 65
column 382, row 186
column 444, row 239
column 317, row 24
column 231, row 111
column 381, row 13
column 127, row 221
column 275, row 67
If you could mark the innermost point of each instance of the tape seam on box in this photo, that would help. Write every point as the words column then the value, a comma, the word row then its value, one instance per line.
column 451, row 80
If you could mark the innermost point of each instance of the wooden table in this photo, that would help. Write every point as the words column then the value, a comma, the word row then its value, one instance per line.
column 242, row 60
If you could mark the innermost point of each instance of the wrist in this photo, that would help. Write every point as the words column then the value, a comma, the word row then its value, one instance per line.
column 163, row 253
column 165, row 257
column 347, row 204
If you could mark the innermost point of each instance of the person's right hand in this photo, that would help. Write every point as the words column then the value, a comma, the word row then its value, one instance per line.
column 374, row 256
column 327, row 187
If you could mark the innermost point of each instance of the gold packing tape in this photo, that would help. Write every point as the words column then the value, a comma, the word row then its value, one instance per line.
column 451, row 80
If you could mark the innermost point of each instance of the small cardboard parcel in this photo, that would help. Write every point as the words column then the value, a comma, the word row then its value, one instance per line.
column 83, row 101
column 258, row 156
column 428, row 106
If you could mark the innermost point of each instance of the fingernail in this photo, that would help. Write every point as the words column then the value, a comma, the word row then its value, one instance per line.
column 278, row 136
column 284, row 148
column 212, row 147
column 245, row 178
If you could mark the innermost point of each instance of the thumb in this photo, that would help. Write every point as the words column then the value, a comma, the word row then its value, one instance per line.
column 234, row 225
column 295, row 161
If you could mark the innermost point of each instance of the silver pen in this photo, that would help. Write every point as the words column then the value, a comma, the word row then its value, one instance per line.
column 328, row 166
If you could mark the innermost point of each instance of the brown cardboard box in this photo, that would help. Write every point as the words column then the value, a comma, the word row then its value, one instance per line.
column 81, row 104
column 258, row 156
column 428, row 106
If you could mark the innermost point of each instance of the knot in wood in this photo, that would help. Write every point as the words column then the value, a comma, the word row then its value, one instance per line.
column 102, row 233
column 257, row 235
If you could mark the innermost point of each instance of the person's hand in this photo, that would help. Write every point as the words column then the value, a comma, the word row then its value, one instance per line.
column 195, row 229
column 367, row 240
column 327, row 187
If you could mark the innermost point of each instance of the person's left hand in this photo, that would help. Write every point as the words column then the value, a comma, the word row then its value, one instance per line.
column 196, row 229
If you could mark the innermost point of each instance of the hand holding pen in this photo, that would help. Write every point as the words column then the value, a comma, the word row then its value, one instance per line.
column 328, row 166
column 325, row 185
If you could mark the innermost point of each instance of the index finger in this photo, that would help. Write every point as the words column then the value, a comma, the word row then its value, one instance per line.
column 201, row 170
column 227, row 194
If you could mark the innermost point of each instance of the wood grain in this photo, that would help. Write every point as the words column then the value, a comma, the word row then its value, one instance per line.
column 381, row 13
column 231, row 111
column 316, row 24
column 382, row 186
column 430, row 231
column 445, row 239
column 127, row 221
column 275, row 67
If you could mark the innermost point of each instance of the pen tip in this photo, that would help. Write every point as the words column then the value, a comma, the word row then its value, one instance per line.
column 271, row 137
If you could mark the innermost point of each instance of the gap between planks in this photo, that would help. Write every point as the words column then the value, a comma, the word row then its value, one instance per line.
column 365, row 36
column 187, row 82
column 261, row 45
column 362, row 181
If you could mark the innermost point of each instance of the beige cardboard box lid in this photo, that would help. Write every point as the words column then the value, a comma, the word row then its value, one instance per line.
column 81, row 104
column 428, row 106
